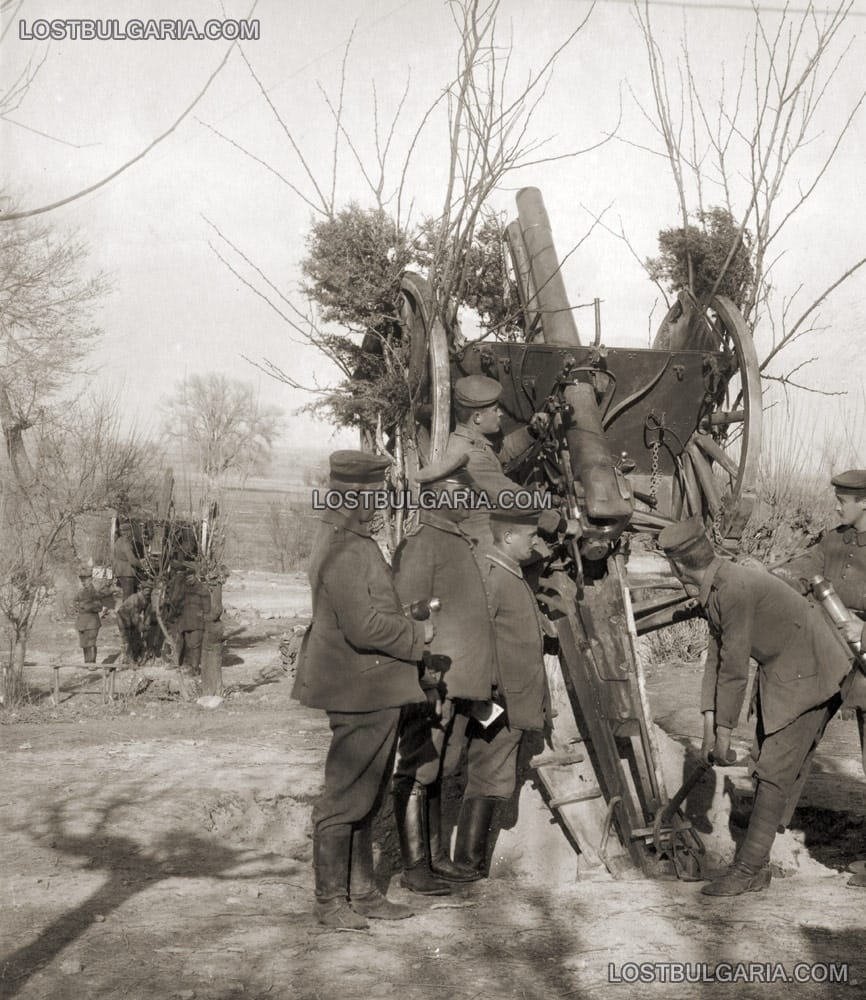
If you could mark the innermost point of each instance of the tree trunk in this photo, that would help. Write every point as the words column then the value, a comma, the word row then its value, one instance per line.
column 13, row 673
column 212, row 659
column 212, row 644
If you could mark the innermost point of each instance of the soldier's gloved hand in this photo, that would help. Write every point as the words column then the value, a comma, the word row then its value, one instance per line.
column 539, row 423
column 847, row 714
column 429, row 631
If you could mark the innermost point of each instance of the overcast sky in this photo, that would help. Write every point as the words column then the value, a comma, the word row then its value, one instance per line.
column 175, row 309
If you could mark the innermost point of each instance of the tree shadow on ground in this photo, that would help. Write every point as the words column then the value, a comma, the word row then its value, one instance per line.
column 129, row 866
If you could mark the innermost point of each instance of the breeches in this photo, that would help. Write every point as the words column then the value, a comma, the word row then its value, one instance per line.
column 357, row 766
column 127, row 586
column 492, row 761
column 87, row 637
column 428, row 749
column 190, row 647
column 786, row 755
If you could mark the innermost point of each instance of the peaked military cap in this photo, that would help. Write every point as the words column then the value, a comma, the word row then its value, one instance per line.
column 852, row 481
column 507, row 516
column 357, row 468
column 683, row 535
column 446, row 470
column 477, row 391
column 84, row 570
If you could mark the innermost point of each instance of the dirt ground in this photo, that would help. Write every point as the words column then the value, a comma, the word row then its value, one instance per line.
column 153, row 848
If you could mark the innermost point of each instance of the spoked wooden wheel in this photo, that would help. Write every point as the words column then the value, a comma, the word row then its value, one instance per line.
column 716, row 469
column 429, row 367
column 716, row 472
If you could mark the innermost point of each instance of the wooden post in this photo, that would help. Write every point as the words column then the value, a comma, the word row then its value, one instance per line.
column 56, row 694
column 212, row 645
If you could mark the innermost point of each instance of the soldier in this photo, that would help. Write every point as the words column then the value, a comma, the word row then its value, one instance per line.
column 521, row 683
column 478, row 420
column 131, row 614
column 439, row 561
column 125, row 562
column 839, row 555
column 359, row 663
column 87, row 606
column 190, row 625
column 801, row 665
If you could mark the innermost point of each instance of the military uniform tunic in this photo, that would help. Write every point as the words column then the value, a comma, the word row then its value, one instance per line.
column 521, row 681
column 359, row 662
column 839, row 555
column 801, row 662
column 87, row 605
column 362, row 652
column 485, row 468
column 439, row 561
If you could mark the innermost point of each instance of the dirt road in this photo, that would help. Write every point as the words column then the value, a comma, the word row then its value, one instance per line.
column 155, row 849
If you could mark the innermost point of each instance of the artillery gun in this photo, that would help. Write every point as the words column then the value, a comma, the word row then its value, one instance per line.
column 637, row 439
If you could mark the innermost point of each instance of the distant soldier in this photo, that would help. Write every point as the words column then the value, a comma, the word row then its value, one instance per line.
column 359, row 663
column 839, row 555
column 477, row 434
column 190, row 625
column 801, row 665
column 439, row 561
column 520, row 684
column 133, row 619
column 124, row 562
column 87, row 605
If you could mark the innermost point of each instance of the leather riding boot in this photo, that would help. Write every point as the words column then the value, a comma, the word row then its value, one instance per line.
column 331, row 869
column 410, row 808
column 767, row 813
column 364, row 896
column 750, row 871
column 440, row 863
column 473, row 831
column 739, row 878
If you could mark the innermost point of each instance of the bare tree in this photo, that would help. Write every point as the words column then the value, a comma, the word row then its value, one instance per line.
column 759, row 147
column 83, row 463
column 47, row 324
column 488, row 115
column 223, row 424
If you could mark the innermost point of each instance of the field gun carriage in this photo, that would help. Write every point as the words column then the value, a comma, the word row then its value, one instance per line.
column 636, row 439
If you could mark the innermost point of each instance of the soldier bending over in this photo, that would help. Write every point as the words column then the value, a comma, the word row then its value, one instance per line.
column 801, row 665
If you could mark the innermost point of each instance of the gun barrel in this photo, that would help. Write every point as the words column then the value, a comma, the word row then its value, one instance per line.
column 551, row 299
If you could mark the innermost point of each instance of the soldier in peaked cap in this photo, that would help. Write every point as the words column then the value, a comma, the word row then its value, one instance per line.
column 87, row 606
column 801, row 665
column 520, row 683
column 359, row 662
column 438, row 561
column 478, row 420
column 839, row 555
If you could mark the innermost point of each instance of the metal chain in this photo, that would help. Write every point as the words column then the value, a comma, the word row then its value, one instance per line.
column 654, row 470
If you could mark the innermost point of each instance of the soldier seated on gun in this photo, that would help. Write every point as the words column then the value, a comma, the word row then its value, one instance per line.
column 133, row 618
column 521, row 684
column 801, row 665
column 478, row 435
column 88, row 608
